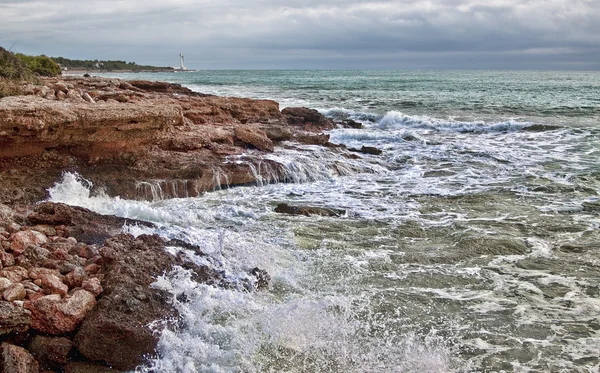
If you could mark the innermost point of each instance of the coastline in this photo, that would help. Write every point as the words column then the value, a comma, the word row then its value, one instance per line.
column 136, row 140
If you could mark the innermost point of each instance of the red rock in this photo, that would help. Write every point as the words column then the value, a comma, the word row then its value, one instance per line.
column 13, row 318
column 14, row 273
column 320, row 139
column 14, row 292
column 93, row 286
column 13, row 227
column 87, row 251
column 92, row 268
column 22, row 239
column 17, row 360
column 75, row 278
column 34, row 295
column 7, row 259
column 45, row 229
column 309, row 119
column 255, row 137
column 53, row 315
column 39, row 272
column 53, row 285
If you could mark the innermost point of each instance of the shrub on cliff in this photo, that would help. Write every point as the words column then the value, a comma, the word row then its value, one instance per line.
column 40, row 65
column 13, row 68
column 12, row 72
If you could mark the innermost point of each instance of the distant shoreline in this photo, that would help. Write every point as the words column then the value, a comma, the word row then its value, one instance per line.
column 91, row 72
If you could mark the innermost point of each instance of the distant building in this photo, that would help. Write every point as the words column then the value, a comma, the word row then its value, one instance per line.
column 181, row 60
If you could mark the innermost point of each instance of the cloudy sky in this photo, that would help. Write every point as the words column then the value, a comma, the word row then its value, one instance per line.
column 433, row 34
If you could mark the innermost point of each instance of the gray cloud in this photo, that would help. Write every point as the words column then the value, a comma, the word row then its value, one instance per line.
column 312, row 34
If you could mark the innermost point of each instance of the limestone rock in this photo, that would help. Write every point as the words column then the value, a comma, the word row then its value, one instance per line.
column 255, row 137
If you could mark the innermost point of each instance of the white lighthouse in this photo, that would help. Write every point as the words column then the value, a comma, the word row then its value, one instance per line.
column 181, row 60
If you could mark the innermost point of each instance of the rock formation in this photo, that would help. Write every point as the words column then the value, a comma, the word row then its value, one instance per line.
column 133, row 138
column 74, row 290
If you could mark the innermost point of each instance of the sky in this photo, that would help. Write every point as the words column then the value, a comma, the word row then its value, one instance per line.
column 310, row 34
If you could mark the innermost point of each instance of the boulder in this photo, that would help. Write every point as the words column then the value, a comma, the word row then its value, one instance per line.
column 50, row 352
column 15, row 359
column 255, row 137
column 349, row 123
column 116, row 331
column 277, row 132
column 13, row 318
column 53, row 315
column 82, row 224
column 309, row 119
column 367, row 150
column 284, row 208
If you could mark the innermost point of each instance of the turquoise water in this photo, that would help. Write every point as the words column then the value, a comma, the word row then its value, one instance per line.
column 471, row 244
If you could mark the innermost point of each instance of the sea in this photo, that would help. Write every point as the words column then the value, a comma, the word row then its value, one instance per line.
column 472, row 244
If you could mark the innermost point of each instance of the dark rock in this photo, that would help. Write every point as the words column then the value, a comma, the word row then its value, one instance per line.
column 349, row 123
column 80, row 223
column 13, row 318
column 310, row 119
column 263, row 279
column 15, row 359
column 284, row 208
column 116, row 331
column 81, row 367
column 367, row 150
column 50, row 352
column 162, row 87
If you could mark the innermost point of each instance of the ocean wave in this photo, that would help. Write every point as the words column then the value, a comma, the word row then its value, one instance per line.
column 399, row 120
column 337, row 113
column 396, row 119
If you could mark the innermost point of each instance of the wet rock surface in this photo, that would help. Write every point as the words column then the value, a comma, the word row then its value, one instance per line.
column 139, row 139
column 85, row 305
column 75, row 294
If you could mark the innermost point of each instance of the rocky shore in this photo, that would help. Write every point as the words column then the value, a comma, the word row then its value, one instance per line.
column 75, row 291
